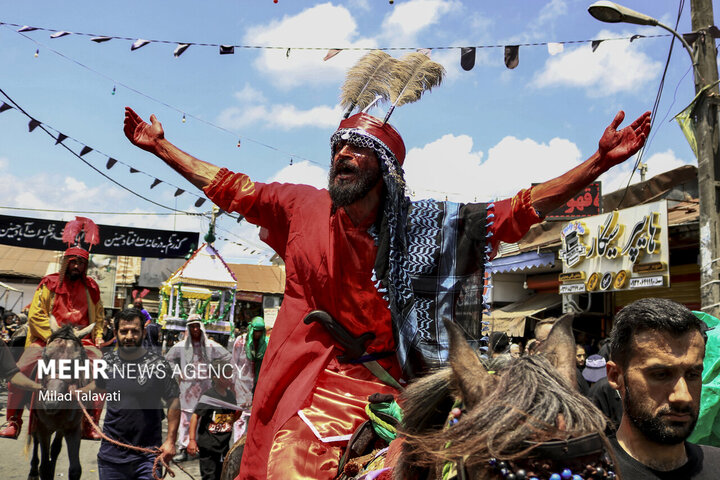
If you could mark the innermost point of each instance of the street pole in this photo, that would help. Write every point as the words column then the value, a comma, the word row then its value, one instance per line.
column 708, row 151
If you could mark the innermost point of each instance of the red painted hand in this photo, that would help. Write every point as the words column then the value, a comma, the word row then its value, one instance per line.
column 140, row 133
column 616, row 146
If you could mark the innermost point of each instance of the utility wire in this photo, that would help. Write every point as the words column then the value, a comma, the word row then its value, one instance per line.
column 28, row 28
column 655, row 105
column 160, row 102
column 85, row 161
column 83, row 212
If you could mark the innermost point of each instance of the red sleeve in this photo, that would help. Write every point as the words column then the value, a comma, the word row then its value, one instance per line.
column 268, row 205
column 513, row 218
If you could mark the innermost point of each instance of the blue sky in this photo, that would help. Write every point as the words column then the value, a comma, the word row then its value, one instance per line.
column 483, row 134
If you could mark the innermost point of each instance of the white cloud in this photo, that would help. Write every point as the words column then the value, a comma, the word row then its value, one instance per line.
column 617, row 178
column 449, row 166
column 283, row 116
column 249, row 94
column 323, row 25
column 243, row 244
column 616, row 66
column 551, row 11
column 409, row 18
column 360, row 4
column 304, row 173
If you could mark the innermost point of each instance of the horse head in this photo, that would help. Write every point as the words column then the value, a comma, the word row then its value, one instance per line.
column 526, row 419
column 63, row 344
column 78, row 332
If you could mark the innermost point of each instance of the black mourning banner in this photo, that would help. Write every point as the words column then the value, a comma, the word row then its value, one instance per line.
column 129, row 241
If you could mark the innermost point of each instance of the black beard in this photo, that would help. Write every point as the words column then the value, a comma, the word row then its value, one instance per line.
column 131, row 347
column 74, row 275
column 343, row 194
column 655, row 428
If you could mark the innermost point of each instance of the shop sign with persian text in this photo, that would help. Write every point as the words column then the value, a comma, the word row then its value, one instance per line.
column 587, row 203
column 625, row 249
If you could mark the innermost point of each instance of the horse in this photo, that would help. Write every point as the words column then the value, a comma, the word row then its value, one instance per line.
column 52, row 413
column 526, row 421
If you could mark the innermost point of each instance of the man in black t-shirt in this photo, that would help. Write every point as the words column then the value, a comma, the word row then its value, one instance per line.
column 138, row 381
column 657, row 348
column 607, row 399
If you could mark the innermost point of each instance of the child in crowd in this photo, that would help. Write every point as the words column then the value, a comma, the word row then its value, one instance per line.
column 211, row 422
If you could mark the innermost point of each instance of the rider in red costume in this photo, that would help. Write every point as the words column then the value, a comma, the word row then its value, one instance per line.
column 71, row 297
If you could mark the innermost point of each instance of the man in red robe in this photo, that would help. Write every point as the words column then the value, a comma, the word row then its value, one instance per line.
column 71, row 297
column 386, row 269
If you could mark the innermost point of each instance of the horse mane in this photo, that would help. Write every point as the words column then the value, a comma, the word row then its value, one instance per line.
column 66, row 332
column 524, row 404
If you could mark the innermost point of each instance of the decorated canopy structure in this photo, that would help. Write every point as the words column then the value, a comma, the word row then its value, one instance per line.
column 204, row 285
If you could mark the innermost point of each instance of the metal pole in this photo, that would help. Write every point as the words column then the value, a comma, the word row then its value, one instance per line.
column 706, row 131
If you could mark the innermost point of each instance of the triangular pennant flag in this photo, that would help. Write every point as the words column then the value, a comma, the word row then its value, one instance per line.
column 691, row 37
column 554, row 48
column 139, row 43
column 595, row 44
column 179, row 192
column 60, row 138
column 110, row 163
column 85, row 150
column 331, row 53
column 199, row 202
column 33, row 124
column 227, row 49
column 101, row 39
column 180, row 49
column 687, row 126
column 134, row 170
column 635, row 37
column 27, row 29
column 59, row 34
column 512, row 56
column 4, row 107
column 425, row 51
column 467, row 58
column 155, row 183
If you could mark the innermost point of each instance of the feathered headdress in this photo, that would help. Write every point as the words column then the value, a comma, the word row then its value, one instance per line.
column 82, row 229
column 379, row 77
column 412, row 76
column 367, row 81
column 140, row 293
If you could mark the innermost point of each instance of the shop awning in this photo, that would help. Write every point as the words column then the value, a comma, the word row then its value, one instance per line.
column 511, row 318
column 522, row 261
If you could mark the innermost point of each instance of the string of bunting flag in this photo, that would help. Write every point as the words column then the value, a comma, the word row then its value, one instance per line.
column 60, row 139
column 91, row 212
column 467, row 53
column 247, row 246
column 167, row 105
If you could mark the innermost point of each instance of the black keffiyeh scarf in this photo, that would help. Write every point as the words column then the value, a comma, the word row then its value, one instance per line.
column 429, row 264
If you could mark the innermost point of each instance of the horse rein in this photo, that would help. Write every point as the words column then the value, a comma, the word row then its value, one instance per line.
column 153, row 451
